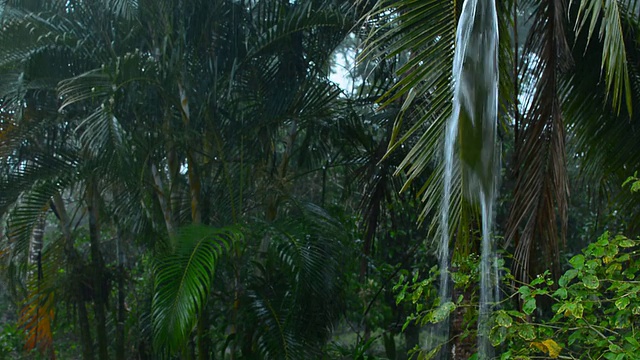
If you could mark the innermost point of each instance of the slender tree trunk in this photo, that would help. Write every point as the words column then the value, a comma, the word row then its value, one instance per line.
column 72, row 258
column 85, row 332
column 162, row 200
column 195, row 185
column 204, row 343
column 411, row 337
column 97, row 263
column 120, row 316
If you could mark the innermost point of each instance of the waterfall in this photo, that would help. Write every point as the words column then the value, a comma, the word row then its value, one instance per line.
column 471, row 134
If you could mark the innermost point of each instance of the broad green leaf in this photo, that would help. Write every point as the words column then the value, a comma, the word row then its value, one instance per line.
column 561, row 293
column 577, row 261
column 529, row 306
column 498, row 335
column 613, row 268
column 183, row 280
column 537, row 281
column 567, row 277
column 633, row 341
column 527, row 332
column 503, row 319
column 442, row 312
column 626, row 243
column 615, row 348
column 590, row 282
column 574, row 309
column 622, row 303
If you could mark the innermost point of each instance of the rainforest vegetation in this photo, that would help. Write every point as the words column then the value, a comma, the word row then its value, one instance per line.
column 263, row 179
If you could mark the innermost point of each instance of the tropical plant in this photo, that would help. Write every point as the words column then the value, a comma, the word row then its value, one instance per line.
column 540, row 199
column 595, row 307
column 220, row 118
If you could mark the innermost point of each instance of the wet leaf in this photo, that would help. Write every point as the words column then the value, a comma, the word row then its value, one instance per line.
column 626, row 243
column 577, row 262
column 561, row 293
column 590, row 282
column 529, row 306
column 553, row 347
column 622, row 303
column 503, row 319
column 527, row 332
column 442, row 312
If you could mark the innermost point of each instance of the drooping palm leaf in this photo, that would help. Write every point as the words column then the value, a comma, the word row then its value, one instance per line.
column 182, row 282
column 614, row 54
column 603, row 138
column 540, row 195
column 294, row 296
column 426, row 31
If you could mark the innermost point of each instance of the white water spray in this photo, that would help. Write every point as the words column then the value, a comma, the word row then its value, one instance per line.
column 471, row 132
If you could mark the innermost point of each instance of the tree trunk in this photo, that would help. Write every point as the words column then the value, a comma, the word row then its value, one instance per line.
column 411, row 337
column 120, row 316
column 204, row 343
column 85, row 332
column 73, row 260
column 97, row 263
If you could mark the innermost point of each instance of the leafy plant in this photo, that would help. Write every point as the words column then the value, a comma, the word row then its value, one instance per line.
column 596, row 307
column 182, row 282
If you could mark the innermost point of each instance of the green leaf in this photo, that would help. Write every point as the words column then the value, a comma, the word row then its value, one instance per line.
column 529, row 306
column 442, row 312
column 633, row 341
column 537, row 281
column 561, row 293
column 498, row 335
column 527, row 332
column 622, row 303
column 182, row 282
column 567, row 277
column 627, row 243
column 614, row 55
column 615, row 348
column 503, row 319
column 590, row 282
column 577, row 261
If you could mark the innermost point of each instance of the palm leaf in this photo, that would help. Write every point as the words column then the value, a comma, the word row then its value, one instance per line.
column 295, row 296
column 541, row 180
column 182, row 282
column 426, row 30
column 614, row 53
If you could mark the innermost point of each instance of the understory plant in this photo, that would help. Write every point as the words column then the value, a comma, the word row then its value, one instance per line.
column 591, row 312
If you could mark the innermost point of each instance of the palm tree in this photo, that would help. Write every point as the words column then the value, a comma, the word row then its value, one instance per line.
column 220, row 122
column 553, row 100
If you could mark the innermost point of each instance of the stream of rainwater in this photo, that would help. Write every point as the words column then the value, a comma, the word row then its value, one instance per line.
column 471, row 135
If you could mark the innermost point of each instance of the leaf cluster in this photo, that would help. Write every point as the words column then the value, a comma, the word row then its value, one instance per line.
column 595, row 307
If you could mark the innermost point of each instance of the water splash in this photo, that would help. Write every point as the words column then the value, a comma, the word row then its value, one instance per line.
column 471, row 131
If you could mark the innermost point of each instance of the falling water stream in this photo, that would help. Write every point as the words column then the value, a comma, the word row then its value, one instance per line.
column 471, row 135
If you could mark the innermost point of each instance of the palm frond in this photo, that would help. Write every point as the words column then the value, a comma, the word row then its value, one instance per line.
column 26, row 33
column 123, row 8
column 541, row 191
column 182, row 282
column 614, row 53
column 426, row 31
column 592, row 118
column 295, row 293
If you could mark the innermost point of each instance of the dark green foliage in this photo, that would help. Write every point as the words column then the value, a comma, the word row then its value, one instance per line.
column 183, row 279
